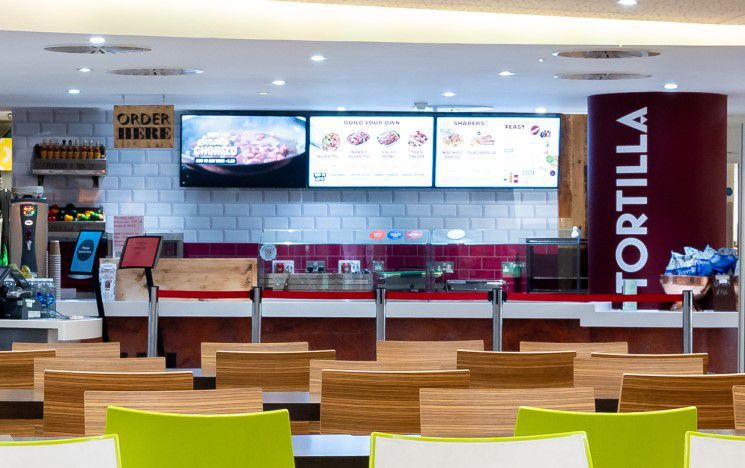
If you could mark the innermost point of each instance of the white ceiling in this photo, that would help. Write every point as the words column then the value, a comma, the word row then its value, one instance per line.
column 365, row 76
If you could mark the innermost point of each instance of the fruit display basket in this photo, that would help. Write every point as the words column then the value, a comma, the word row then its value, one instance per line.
column 71, row 218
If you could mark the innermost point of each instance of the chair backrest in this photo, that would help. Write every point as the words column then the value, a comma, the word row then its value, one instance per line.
column 92, row 452
column 317, row 365
column 17, row 368
column 714, row 451
column 158, row 440
column 711, row 394
column 738, row 402
column 605, row 373
column 155, row 364
column 74, row 350
column 362, row 402
column 64, row 391
column 491, row 412
column 274, row 371
column 491, row 369
column 557, row 451
column 228, row 401
column 627, row 356
column 429, row 353
column 640, row 440
column 583, row 350
column 209, row 351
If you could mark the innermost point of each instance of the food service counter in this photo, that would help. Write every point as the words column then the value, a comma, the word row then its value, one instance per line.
column 49, row 330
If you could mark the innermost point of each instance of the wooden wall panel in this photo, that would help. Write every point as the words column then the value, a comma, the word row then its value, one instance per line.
column 572, row 171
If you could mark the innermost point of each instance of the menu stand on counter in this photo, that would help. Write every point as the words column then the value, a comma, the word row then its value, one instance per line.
column 85, row 265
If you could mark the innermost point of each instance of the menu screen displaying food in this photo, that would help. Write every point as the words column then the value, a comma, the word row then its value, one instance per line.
column 503, row 151
column 243, row 151
column 371, row 151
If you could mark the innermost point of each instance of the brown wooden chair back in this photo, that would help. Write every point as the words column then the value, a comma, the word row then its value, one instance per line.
column 64, row 392
column 604, row 372
column 491, row 369
column 155, row 364
column 17, row 368
column 361, row 402
column 424, row 353
column 490, row 412
column 583, row 350
column 318, row 365
column 74, row 350
column 711, row 395
column 695, row 356
column 227, row 401
column 738, row 401
column 280, row 371
column 210, row 349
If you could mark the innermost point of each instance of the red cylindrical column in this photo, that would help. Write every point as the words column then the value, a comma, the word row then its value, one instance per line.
column 656, row 182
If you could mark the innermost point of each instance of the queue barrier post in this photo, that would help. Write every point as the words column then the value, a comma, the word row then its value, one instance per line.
column 497, row 307
column 380, row 303
column 687, row 322
column 256, row 315
column 152, row 322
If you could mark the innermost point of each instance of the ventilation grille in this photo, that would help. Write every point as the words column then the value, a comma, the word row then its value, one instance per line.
column 608, row 54
column 601, row 76
column 157, row 71
column 86, row 49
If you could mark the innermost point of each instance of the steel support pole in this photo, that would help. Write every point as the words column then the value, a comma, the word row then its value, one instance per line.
column 740, row 240
column 687, row 322
column 152, row 323
column 256, row 315
column 380, row 304
column 497, row 307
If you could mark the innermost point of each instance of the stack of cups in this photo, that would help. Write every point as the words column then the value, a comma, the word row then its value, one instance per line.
column 54, row 271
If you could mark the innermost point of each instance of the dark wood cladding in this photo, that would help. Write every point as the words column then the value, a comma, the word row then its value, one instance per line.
column 354, row 339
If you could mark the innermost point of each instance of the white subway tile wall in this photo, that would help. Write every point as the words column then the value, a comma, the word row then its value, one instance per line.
column 146, row 182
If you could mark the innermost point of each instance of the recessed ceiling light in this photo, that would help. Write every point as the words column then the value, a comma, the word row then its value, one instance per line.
column 279, row 82
column 555, row 54
column 85, row 70
column 317, row 58
column 263, row 93
column 341, row 108
column 671, row 86
column 448, row 94
column 541, row 60
column 627, row 2
column 73, row 91
column 506, row 73
column 97, row 40
column 540, row 110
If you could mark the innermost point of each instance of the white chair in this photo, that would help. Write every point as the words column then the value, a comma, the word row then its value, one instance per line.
column 714, row 451
column 91, row 452
column 569, row 450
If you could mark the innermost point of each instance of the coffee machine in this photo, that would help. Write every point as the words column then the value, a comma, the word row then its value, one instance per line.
column 29, row 229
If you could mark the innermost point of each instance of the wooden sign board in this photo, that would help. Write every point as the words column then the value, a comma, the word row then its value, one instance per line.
column 143, row 126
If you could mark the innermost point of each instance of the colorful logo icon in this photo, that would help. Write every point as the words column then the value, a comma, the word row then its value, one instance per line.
column 535, row 129
column 395, row 235
column 414, row 234
column 377, row 234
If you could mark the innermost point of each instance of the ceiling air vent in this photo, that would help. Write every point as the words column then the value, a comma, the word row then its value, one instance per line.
column 157, row 71
column 88, row 49
column 601, row 76
column 607, row 54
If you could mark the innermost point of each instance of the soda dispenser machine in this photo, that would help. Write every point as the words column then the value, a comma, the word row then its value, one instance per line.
column 29, row 229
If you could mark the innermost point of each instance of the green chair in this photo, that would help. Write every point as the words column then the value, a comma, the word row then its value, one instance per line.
column 654, row 439
column 89, row 452
column 161, row 440
column 714, row 451
column 568, row 450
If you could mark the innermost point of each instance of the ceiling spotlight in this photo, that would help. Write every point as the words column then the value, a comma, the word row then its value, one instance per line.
column 541, row 60
column 627, row 2
column 263, row 93
column 341, row 108
column 279, row 82
column 97, row 40
column 73, row 91
column 671, row 86
column 506, row 73
column 85, row 70
column 317, row 58
column 448, row 94
column 540, row 110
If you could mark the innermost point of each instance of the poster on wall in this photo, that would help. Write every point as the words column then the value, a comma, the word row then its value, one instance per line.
column 494, row 152
column 6, row 154
column 143, row 126
column 371, row 151
column 224, row 150
column 124, row 227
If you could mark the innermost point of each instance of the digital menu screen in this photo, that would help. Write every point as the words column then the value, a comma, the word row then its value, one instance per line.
column 371, row 151
column 497, row 152
column 243, row 151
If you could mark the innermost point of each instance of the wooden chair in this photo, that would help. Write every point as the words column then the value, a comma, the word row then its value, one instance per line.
column 17, row 368
column 711, row 394
column 209, row 350
column 361, row 402
column 229, row 401
column 604, row 372
column 694, row 356
column 583, row 350
column 415, row 353
column 64, row 391
column 156, row 364
column 491, row 369
column 74, row 350
column 487, row 412
column 318, row 365
column 280, row 371
column 738, row 400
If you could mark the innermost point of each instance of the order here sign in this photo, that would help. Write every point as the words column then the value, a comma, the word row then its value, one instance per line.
column 143, row 126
